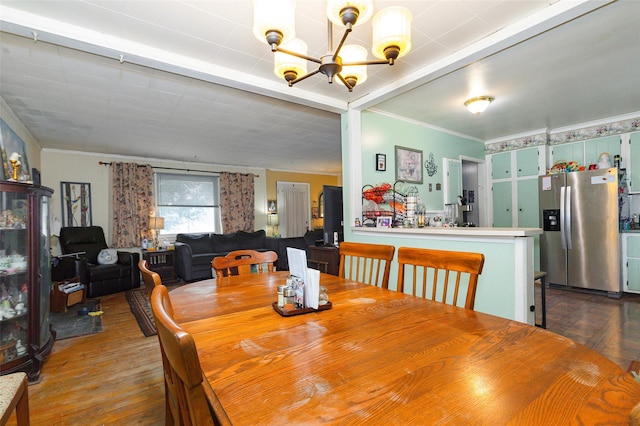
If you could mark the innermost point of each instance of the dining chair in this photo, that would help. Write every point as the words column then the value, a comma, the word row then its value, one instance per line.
column 435, row 269
column 364, row 263
column 240, row 262
column 193, row 400
column 14, row 395
column 151, row 279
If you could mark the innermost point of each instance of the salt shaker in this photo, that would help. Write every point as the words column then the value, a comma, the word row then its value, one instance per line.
column 281, row 295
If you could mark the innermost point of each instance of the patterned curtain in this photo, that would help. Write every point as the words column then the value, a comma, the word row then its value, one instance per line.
column 133, row 202
column 237, row 202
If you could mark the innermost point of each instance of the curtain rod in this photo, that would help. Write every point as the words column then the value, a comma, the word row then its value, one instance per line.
column 103, row 163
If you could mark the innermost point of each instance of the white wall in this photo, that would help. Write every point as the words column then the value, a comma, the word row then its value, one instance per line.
column 72, row 166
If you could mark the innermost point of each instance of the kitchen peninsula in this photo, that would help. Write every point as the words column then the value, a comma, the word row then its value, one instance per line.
column 505, row 287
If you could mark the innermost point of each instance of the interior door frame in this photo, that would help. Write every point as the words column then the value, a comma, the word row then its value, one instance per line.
column 297, row 186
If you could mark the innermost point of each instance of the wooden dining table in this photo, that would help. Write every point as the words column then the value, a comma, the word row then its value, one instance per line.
column 383, row 357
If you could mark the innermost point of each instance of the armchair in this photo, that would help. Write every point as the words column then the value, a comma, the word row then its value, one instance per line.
column 99, row 279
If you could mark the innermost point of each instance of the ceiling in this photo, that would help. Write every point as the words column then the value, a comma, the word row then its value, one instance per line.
column 187, row 80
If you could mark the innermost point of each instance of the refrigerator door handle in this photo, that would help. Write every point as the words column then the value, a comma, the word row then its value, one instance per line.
column 563, row 238
column 567, row 216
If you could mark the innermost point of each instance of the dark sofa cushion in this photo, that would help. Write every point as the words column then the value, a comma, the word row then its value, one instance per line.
column 252, row 240
column 224, row 243
column 199, row 243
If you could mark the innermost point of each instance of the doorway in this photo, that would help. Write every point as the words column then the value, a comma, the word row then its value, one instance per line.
column 474, row 190
column 293, row 208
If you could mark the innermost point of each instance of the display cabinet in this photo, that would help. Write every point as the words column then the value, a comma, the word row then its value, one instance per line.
column 25, row 278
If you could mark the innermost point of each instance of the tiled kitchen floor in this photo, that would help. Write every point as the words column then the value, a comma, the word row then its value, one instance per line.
column 606, row 325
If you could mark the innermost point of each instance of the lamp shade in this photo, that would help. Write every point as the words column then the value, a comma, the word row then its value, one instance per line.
column 392, row 28
column 272, row 220
column 335, row 7
column 156, row 222
column 291, row 67
column 270, row 15
column 354, row 53
column 479, row 104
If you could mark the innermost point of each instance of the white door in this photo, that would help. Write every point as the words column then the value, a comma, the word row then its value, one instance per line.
column 294, row 212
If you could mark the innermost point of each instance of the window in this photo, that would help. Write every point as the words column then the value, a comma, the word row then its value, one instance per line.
column 188, row 203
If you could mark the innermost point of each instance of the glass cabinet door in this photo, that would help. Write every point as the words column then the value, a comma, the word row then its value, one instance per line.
column 44, row 275
column 14, row 279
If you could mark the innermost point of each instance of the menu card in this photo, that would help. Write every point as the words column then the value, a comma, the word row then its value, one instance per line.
column 311, row 277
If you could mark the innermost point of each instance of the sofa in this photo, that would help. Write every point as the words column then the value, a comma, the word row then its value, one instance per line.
column 194, row 252
column 99, row 279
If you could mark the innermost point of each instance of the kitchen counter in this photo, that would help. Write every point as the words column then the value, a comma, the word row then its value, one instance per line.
column 505, row 287
column 458, row 231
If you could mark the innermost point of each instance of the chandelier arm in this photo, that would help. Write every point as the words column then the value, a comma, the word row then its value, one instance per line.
column 350, row 87
column 378, row 62
column 292, row 82
column 296, row 54
column 344, row 38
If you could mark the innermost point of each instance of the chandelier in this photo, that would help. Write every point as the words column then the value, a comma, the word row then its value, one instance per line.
column 273, row 23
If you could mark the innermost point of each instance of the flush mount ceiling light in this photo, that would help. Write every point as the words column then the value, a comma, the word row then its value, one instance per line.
column 478, row 104
column 273, row 23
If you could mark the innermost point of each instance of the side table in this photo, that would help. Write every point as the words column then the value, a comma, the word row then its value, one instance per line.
column 162, row 262
column 328, row 254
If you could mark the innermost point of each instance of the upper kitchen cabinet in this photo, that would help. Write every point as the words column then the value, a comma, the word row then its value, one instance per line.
column 501, row 165
column 514, row 179
column 568, row 152
column 633, row 165
column 527, row 162
column 587, row 152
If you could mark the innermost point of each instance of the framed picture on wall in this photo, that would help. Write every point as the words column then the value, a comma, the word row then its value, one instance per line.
column 408, row 165
column 76, row 203
column 272, row 207
column 381, row 162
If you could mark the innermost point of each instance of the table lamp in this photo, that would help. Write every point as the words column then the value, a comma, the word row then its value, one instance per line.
column 156, row 223
column 272, row 220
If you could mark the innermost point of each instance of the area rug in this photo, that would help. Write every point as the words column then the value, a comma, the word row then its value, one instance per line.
column 138, row 299
column 69, row 324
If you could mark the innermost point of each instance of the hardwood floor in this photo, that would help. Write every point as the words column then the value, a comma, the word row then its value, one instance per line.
column 115, row 377
column 110, row 378
column 606, row 325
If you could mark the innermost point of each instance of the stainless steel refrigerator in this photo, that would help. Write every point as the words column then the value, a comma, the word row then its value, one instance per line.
column 579, row 216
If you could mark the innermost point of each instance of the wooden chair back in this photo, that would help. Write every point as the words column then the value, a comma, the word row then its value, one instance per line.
column 239, row 262
column 366, row 263
column 196, row 403
column 151, row 279
column 435, row 269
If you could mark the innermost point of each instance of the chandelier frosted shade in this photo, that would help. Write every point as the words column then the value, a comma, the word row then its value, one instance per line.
column 274, row 23
column 274, row 15
column 354, row 73
column 335, row 8
column 291, row 67
column 478, row 104
column 392, row 32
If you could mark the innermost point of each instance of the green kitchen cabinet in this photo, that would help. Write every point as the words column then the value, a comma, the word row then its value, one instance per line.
column 502, row 208
column 569, row 152
column 501, row 165
column 631, row 263
column 594, row 147
column 528, row 203
column 527, row 162
column 633, row 166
